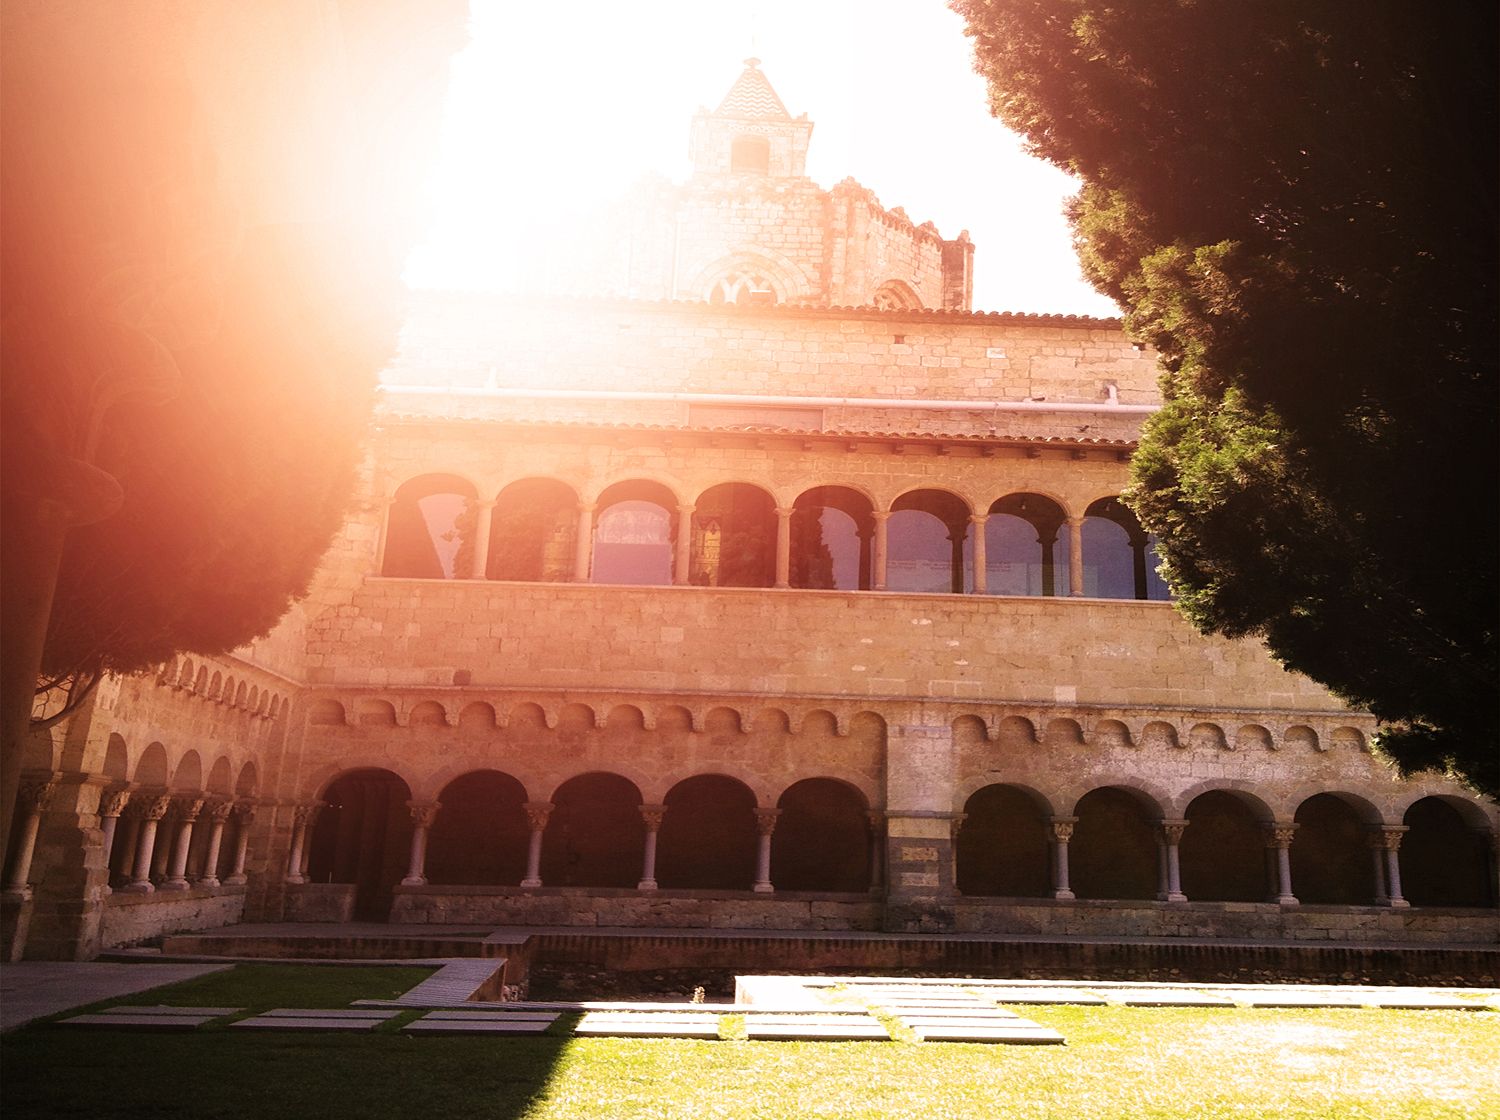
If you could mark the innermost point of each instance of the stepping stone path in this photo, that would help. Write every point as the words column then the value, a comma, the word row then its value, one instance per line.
column 1045, row 996
column 653, row 1024
column 815, row 1028
column 158, row 1018
column 483, row 1022
column 1167, row 997
column 305, row 1019
column 953, row 1015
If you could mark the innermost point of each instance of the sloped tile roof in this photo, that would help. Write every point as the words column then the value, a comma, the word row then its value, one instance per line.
column 752, row 96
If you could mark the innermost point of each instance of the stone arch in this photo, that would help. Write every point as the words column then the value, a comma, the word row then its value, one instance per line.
column 722, row 721
column 370, row 712
column 480, row 835
column 576, row 718
column 252, row 701
column 248, row 780
column 1253, row 737
column 771, row 721
column 1016, row 732
column 430, row 528
column 1158, row 734
column 708, row 835
column 635, row 534
column 1223, row 848
column 240, row 695
column 734, row 534
column 1003, row 846
column 819, row 721
column 185, row 674
column 896, row 295
column 1114, row 849
column 215, row 686
column 151, row 770
column 188, row 776
column 218, row 780
column 673, row 717
column 863, row 721
column 1119, row 556
column 1207, row 737
column 783, row 279
column 1348, row 738
column 625, row 718
column 1300, row 736
column 227, row 696
column 427, row 713
column 116, row 763
column 362, row 836
column 1026, row 547
column 928, row 543
column 200, row 682
column 326, row 712
column 1331, row 861
column 533, row 532
column 477, row 716
column 595, row 835
column 1445, row 853
column 822, row 837
column 1111, row 733
column 1063, row 732
column 530, row 715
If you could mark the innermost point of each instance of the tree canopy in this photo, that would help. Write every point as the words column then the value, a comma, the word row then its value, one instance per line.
column 1295, row 202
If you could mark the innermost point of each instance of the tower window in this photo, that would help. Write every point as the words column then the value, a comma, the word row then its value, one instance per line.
column 750, row 155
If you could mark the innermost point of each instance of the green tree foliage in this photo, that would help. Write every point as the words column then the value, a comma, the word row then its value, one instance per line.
column 1295, row 202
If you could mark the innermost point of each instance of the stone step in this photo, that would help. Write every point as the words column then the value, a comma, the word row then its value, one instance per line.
column 160, row 1022
column 477, row 1026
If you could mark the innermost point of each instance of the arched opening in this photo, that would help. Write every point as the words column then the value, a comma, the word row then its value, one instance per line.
column 822, row 838
column 1119, row 557
column 734, row 537
column 708, row 837
column 832, row 529
column 532, row 532
column 430, row 533
column 1331, row 859
column 1223, row 850
column 1003, row 847
column 895, row 295
column 1444, row 860
column 116, row 758
column 927, row 543
column 480, row 835
column 750, row 155
column 633, row 534
column 1114, row 848
column 363, row 836
column 1023, row 554
column 743, row 285
column 595, row 836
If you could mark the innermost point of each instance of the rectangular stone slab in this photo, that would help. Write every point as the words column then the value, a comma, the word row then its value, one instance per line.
column 477, row 1026
column 1045, row 996
column 1167, row 998
column 1420, row 1001
column 336, row 1013
column 1011, row 1034
column 960, row 1020
column 141, row 1022
column 495, row 1016
column 1296, row 999
column 287, row 1023
column 807, row 1030
column 162, row 1009
column 649, row 1026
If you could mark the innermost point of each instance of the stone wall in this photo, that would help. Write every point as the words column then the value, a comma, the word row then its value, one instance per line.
column 133, row 919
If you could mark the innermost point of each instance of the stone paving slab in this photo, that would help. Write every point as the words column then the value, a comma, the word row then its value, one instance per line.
column 34, row 989
column 1418, row 1002
column 309, row 1023
column 455, row 982
column 1009, row 1034
column 335, row 1013
column 1168, row 997
column 477, row 1026
column 1297, row 999
column 935, row 1020
column 816, row 1029
column 649, row 1026
column 1046, row 996
column 494, row 1016
column 165, row 1009
column 181, row 1022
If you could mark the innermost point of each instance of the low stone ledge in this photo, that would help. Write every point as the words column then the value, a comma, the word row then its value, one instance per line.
column 131, row 918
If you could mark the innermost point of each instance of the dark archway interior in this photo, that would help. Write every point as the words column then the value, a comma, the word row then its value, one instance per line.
column 1331, row 860
column 532, row 532
column 708, row 838
column 595, row 836
column 1223, row 851
column 363, row 836
column 1003, row 846
column 734, row 537
column 430, row 534
column 822, row 838
column 832, row 531
column 1444, row 862
column 480, row 834
column 1113, row 853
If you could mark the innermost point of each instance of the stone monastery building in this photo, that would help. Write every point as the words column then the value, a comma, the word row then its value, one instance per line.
column 750, row 579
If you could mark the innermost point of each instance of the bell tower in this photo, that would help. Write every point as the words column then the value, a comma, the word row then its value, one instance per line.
column 750, row 133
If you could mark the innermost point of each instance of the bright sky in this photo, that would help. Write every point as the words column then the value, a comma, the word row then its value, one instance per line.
column 555, row 108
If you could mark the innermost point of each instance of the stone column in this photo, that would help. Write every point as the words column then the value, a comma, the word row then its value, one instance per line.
column 1375, row 843
column 1279, row 839
column 583, row 544
column 537, row 813
column 32, row 799
column 1075, row 556
column 302, row 818
column 653, row 816
column 153, row 809
column 244, row 817
column 1390, row 847
column 161, row 851
column 188, row 809
column 423, row 814
column 682, row 553
column 783, row 547
column 877, row 850
column 126, row 844
column 981, row 563
column 482, row 539
column 112, row 803
column 314, row 811
column 881, row 517
column 218, row 813
column 765, row 824
column 1062, row 832
column 1171, row 838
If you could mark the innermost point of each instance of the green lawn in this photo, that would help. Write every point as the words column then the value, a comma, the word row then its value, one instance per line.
column 1119, row 1063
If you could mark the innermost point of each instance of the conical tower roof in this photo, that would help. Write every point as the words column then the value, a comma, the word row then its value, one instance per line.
column 752, row 96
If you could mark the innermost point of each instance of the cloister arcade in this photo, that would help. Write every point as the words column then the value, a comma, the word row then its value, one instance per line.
column 735, row 534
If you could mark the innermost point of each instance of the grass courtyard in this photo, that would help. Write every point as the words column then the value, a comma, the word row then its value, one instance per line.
column 1118, row 1063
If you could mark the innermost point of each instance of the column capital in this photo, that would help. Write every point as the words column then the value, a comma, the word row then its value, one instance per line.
column 423, row 813
column 1387, row 837
column 785, row 512
column 687, row 509
column 219, row 810
column 153, row 807
column 112, row 801
column 1279, row 834
column 187, row 807
column 537, row 813
column 1062, row 827
column 653, row 815
column 306, row 815
column 881, row 514
column 244, row 811
column 765, row 821
column 978, row 518
column 36, row 794
column 1172, row 829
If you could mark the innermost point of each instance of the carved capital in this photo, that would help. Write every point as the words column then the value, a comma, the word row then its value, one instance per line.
column 765, row 821
column 1062, row 828
column 1172, row 830
column 537, row 813
column 305, row 816
column 1387, row 837
column 155, row 807
column 219, row 810
column 423, row 813
column 1279, row 834
column 187, row 808
column 244, row 813
column 36, row 794
column 112, row 801
column 653, row 815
